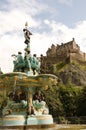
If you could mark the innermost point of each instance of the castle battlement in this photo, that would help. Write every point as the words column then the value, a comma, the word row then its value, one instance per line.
column 65, row 50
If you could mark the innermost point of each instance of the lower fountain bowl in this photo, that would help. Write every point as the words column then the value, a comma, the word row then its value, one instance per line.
column 14, row 120
column 39, row 120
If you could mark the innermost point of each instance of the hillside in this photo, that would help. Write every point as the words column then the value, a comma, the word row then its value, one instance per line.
column 73, row 72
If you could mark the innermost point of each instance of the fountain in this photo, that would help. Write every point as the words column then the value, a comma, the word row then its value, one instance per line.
column 22, row 103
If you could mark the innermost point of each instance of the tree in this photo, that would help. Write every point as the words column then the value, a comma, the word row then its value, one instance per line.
column 53, row 102
column 68, row 96
column 81, row 108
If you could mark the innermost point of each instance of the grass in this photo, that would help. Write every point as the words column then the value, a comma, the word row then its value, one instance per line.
column 59, row 67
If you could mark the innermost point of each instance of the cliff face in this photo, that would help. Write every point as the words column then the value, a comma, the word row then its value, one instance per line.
column 71, row 72
column 74, row 74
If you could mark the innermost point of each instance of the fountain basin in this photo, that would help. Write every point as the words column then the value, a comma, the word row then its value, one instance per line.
column 40, row 120
column 13, row 120
column 21, row 120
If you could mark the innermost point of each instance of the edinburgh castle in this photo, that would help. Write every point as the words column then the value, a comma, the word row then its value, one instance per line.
column 66, row 52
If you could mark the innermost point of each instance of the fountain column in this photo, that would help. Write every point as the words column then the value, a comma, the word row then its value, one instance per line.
column 29, row 100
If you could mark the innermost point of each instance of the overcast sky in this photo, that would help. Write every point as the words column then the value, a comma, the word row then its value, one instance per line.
column 50, row 21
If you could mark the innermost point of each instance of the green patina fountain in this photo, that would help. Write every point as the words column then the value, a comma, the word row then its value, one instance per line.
column 22, row 103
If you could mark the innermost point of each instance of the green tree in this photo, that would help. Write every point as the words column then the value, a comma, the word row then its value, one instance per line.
column 53, row 102
column 81, row 108
column 68, row 96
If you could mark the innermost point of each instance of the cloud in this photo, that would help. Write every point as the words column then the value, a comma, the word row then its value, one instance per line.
column 66, row 2
column 12, row 20
column 31, row 7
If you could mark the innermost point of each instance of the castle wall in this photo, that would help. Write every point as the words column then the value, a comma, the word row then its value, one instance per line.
column 84, row 56
column 51, row 51
column 69, row 50
column 81, row 53
column 76, row 56
column 75, row 46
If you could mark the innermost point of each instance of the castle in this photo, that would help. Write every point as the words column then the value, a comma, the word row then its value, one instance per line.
column 66, row 52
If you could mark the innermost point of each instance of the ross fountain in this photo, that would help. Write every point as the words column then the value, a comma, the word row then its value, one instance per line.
column 22, row 103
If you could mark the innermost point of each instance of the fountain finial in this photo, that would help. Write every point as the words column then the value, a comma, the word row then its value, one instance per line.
column 26, row 24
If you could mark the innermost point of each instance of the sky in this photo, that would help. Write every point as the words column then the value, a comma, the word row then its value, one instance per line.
column 50, row 21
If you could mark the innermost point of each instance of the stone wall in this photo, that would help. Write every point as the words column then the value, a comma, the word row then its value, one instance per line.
column 65, row 50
